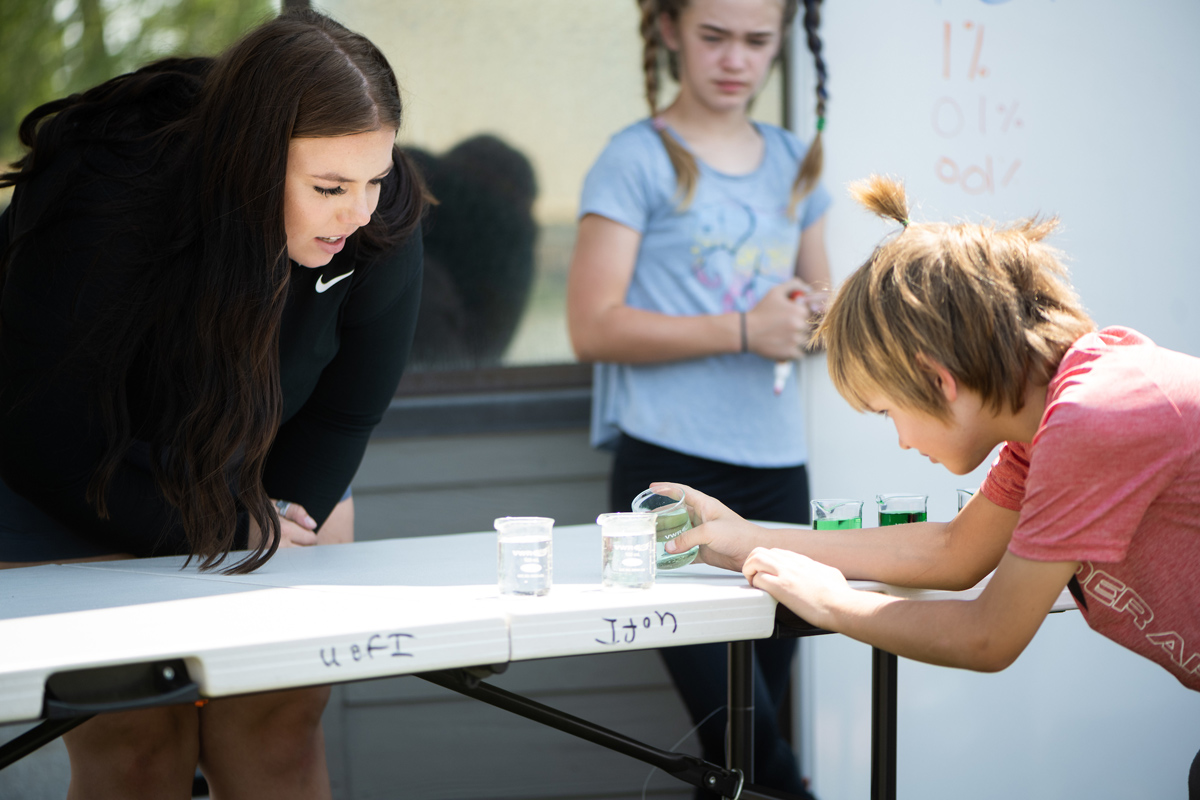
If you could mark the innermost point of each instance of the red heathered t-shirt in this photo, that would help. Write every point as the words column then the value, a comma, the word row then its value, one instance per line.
column 1112, row 480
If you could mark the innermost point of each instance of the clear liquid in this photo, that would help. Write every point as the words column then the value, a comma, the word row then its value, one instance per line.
column 669, row 526
column 525, row 565
column 628, row 561
column 836, row 524
column 894, row 518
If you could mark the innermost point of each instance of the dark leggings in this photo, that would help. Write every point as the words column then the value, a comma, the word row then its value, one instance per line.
column 699, row 671
column 1194, row 779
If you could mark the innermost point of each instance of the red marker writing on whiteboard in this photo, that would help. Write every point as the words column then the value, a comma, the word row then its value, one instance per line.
column 784, row 369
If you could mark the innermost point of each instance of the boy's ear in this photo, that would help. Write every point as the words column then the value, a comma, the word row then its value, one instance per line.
column 940, row 376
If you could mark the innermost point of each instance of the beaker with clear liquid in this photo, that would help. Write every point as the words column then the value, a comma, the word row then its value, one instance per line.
column 525, row 554
column 627, row 558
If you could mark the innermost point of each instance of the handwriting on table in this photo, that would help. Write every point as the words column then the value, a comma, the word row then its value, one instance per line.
column 621, row 631
column 382, row 645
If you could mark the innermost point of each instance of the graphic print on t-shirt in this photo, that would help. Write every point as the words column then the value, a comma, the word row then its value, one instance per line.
column 735, row 255
column 1116, row 595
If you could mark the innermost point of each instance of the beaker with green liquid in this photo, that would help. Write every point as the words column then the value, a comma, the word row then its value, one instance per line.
column 897, row 509
column 832, row 515
column 670, row 506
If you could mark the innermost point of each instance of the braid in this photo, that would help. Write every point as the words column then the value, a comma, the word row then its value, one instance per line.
column 814, row 159
column 649, row 31
column 687, row 172
column 812, row 25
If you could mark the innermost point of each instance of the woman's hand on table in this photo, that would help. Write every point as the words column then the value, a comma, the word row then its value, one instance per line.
column 296, row 527
column 811, row 589
column 725, row 538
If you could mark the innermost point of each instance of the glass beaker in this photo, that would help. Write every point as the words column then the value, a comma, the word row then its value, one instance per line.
column 670, row 506
column 525, row 554
column 896, row 509
column 627, row 557
column 963, row 496
column 836, row 514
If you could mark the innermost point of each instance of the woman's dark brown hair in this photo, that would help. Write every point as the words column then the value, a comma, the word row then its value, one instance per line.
column 203, row 317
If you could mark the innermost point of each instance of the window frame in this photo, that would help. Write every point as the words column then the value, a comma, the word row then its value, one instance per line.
column 509, row 399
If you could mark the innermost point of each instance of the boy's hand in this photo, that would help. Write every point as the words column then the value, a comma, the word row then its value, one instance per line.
column 725, row 538
column 807, row 587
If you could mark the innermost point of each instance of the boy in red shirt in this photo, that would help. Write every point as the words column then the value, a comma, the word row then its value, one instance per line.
column 967, row 337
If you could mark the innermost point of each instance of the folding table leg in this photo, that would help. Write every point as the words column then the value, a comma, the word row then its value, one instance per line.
column 883, row 725
column 740, row 743
column 72, row 697
column 723, row 782
column 34, row 738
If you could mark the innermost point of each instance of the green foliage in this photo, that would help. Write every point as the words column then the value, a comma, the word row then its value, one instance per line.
column 51, row 48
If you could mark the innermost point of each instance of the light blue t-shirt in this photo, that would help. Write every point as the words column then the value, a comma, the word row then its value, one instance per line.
column 723, row 253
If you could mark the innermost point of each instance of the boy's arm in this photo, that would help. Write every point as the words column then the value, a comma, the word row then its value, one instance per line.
column 929, row 555
column 985, row 634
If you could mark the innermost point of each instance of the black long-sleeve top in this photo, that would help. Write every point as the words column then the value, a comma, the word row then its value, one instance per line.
column 344, row 339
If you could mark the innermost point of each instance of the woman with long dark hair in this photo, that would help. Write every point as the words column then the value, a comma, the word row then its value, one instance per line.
column 211, row 273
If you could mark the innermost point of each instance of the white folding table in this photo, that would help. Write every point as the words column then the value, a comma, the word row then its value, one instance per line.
column 81, row 639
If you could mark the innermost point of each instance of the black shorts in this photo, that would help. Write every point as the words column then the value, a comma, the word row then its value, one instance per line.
column 778, row 494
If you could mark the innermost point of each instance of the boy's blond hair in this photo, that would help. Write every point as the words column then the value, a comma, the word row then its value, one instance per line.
column 990, row 304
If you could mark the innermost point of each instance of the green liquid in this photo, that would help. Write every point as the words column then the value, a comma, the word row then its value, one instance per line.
column 837, row 524
column 901, row 517
column 669, row 526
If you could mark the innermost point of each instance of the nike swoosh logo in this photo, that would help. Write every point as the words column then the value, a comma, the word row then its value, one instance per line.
column 322, row 285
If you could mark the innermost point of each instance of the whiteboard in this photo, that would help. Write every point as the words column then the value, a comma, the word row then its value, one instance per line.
column 1087, row 109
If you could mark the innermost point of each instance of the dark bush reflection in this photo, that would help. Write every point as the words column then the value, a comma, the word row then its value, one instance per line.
column 479, row 253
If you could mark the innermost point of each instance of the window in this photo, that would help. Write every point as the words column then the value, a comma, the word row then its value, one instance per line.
column 507, row 104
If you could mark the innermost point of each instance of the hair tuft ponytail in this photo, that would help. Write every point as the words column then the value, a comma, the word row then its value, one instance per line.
column 882, row 196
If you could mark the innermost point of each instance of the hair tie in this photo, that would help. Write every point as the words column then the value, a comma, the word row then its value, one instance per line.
column 904, row 222
column 659, row 124
column 820, row 124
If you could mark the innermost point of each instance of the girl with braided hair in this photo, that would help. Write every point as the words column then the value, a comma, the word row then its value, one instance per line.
column 699, row 230
column 969, row 337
